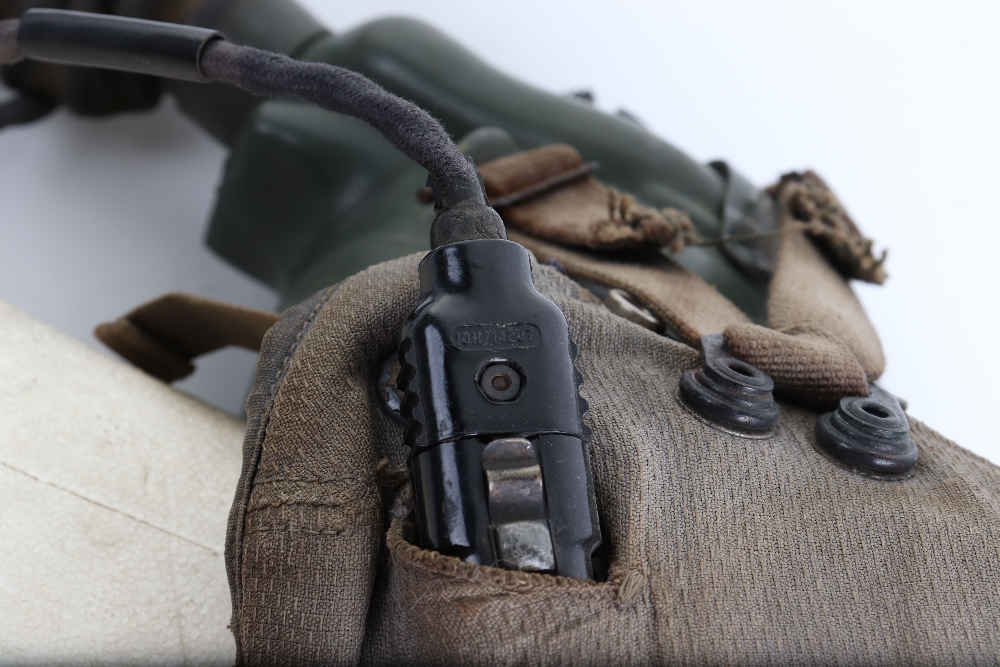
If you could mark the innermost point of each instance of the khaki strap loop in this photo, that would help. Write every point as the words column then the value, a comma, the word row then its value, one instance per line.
column 549, row 192
column 820, row 345
column 684, row 302
column 163, row 336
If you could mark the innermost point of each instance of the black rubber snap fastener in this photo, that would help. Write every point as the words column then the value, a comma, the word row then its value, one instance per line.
column 730, row 393
column 869, row 435
column 501, row 380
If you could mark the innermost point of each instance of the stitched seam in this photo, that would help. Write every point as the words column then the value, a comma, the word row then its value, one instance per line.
column 303, row 531
column 244, row 500
column 297, row 480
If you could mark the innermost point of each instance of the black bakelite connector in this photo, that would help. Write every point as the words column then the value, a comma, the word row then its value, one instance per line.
column 114, row 42
column 491, row 395
column 498, row 457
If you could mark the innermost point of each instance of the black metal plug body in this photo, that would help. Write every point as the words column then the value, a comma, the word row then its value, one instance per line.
column 499, row 466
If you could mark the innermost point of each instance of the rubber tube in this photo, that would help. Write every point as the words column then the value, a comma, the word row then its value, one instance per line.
column 114, row 42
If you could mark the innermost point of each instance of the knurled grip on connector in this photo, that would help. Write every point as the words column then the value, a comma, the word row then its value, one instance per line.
column 485, row 357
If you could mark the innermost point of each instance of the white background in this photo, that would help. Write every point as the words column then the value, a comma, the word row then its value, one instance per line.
column 896, row 104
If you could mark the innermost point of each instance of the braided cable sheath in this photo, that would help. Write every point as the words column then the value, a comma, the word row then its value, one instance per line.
column 10, row 50
column 408, row 127
column 190, row 53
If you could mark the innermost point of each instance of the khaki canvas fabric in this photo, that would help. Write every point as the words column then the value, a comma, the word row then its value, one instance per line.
column 819, row 345
column 578, row 211
column 686, row 304
column 817, row 209
column 163, row 336
column 723, row 549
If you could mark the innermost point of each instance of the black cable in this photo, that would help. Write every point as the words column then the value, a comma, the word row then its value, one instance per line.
column 408, row 127
column 175, row 51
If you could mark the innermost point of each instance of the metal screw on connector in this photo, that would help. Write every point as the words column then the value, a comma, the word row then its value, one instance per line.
column 501, row 381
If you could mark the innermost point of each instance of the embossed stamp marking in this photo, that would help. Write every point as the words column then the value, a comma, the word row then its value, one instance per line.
column 496, row 336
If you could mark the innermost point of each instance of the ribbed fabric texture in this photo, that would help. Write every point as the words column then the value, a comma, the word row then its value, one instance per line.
column 819, row 345
column 724, row 549
column 280, row 344
column 689, row 306
column 163, row 336
column 812, row 203
column 582, row 212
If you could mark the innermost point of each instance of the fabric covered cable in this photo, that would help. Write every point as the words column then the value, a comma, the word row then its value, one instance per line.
column 69, row 38
column 408, row 127
column 459, row 196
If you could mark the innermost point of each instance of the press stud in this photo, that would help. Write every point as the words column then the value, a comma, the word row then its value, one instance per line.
column 730, row 393
column 869, row 435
